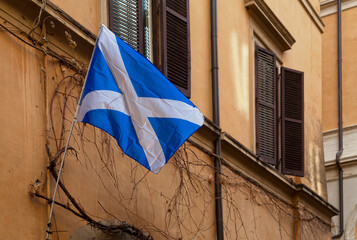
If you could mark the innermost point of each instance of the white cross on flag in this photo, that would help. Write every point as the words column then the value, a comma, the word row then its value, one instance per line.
column 129, row 98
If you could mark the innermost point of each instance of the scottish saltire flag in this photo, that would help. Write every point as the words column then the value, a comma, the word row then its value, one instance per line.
column 129, row 98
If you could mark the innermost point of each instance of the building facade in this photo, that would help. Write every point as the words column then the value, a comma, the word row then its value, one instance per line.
column 255, row 170
column 339, row 118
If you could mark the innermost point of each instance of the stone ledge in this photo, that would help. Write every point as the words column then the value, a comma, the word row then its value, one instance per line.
column 245, row 161
column 313, row 14
column 329, row 7
column 261, row 13
column 272, row 180
column 57, row 24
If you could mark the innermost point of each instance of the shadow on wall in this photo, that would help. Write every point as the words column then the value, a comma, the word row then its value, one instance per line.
column 89, row 233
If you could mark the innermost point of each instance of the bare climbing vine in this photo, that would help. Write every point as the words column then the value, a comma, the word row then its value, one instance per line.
column 187, row 203
column 188, row 208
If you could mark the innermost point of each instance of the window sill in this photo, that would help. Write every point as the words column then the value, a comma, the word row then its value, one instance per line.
column 241, row 159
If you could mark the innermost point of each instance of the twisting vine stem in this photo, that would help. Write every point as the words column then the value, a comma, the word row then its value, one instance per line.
column 188, row 204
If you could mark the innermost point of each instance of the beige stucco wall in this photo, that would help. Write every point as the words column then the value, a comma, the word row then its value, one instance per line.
column 349, row 51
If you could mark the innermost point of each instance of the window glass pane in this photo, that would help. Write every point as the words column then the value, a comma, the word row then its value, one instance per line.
column 147, row 29
column 126, row 21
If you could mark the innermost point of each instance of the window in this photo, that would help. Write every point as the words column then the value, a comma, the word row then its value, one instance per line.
column 266, row 105
column 291, row 113
column 160, row 31
column 292, row 121
column 176, row 43
column 129, row 19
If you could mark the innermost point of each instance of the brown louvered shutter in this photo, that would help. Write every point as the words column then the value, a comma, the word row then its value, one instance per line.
column 126, row 21
column 266, row 105
column 292, row 104
column 176, row 43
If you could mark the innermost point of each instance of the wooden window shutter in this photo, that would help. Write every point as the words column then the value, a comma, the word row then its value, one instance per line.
column 292, row 104
column 266, row 105
column 126, row 21
column 176, row 44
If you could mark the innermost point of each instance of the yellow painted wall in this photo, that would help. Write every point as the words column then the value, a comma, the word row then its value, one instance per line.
column 233, row 59
column 349, row 51
column 235, row 71
column 316, row 5
column 89, row 15
column 201, row 83
column 237, row 83
column 306, row 56
column 123, row 187
column 349, row 106
column 86, row 12
column 249, row 203
column 103, row 175
column 329, row 73
column 22, row 139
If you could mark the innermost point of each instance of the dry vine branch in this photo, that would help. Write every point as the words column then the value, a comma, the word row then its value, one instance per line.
column 123, row 227
column 187, row 209
column 192, row 187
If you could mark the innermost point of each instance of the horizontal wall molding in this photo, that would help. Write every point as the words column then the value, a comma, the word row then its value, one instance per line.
column 330, row 139
column 60, row 22
column 350, row 160
column 245, row 161
column 334, row 131
column 329, row 7
column 262, row 14
column 345, row 176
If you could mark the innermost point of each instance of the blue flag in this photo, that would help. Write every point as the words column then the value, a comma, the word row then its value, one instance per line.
column 129, row 98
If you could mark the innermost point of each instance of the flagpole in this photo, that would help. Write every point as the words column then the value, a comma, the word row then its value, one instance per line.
column 48, row 231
